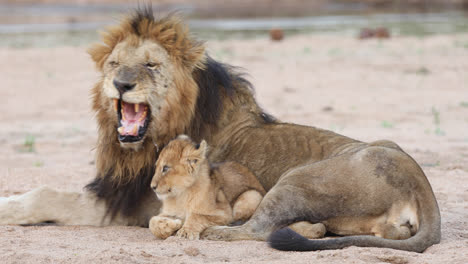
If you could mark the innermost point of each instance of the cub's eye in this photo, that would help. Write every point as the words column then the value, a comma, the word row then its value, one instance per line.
column 165, row 168
column 151, row 65
column 113, row 63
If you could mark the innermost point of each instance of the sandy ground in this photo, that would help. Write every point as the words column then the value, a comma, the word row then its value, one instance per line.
column 410, row 90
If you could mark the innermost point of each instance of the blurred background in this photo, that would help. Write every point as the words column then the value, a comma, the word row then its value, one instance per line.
column 74, row 22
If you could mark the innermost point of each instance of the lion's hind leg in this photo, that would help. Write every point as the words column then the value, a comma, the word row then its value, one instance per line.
column 246, row 204
column 276, row 209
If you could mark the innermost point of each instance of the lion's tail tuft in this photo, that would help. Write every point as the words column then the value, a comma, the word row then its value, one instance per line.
column 287, row 240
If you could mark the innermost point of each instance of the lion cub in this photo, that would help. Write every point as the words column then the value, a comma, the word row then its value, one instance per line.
column 196, row 194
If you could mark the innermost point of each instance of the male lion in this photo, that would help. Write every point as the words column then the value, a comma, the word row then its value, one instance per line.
column 158, row 82
column 196, row 194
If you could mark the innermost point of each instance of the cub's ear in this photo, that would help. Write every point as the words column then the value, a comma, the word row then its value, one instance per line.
column 192, row 162
column 198, row 154
column 203, row 148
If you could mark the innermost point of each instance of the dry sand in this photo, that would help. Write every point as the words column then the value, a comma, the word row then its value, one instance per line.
column 410, row 90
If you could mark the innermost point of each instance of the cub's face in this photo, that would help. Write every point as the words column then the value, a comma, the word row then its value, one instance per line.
column 137, row 77
column 177, row 167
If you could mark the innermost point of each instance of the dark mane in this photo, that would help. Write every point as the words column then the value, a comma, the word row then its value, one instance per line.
column 217, row 82
column 122, row 198
column 214, row 82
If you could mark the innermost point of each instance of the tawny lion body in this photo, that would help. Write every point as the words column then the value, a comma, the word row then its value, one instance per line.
column 158, row 82
column 197, row 195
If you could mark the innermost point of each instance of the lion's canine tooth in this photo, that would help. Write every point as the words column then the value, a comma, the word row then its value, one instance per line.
column 120, row 129
column 123, row 116
column 135, row 129
column 137, row 107
column 116, row 104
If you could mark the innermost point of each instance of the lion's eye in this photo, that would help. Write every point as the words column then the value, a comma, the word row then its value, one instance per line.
column 165, row 168
column 113, row 63
column 151, row 65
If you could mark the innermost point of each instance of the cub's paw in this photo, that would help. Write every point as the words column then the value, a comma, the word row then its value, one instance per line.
column 163, row 227
column 187, row 233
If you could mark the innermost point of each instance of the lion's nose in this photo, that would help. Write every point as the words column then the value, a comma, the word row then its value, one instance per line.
column 123, row 86
column 154, row 187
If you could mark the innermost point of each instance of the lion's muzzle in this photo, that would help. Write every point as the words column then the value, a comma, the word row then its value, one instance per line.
column 133, row 120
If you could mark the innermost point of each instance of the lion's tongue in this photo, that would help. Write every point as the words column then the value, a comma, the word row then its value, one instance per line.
column 131, row 120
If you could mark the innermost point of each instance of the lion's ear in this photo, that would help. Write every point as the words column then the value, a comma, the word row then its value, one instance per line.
column 196, row 56
column 193, row 162
column 99, row 54
column 198, row 154
column 203, row 148
column 111, row 37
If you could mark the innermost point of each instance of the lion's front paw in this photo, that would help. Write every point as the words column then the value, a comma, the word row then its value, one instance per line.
column 164, row 227
column 187, row 233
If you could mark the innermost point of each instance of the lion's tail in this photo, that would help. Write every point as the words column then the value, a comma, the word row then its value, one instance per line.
column 427, row 235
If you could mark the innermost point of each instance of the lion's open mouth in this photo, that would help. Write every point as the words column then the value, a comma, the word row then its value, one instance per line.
column 133, row 120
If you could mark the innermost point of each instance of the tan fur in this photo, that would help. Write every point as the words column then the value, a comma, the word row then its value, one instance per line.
column 169, row 32
column 197, row 194
column 351, row 187
column 172, row 100
column 309, row 230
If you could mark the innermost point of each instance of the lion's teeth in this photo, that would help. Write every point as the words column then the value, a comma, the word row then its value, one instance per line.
column 135, row 129
column 123, row 116
column 142, row 116
column 120, row 129
column 137, row 107
column 116, row 104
